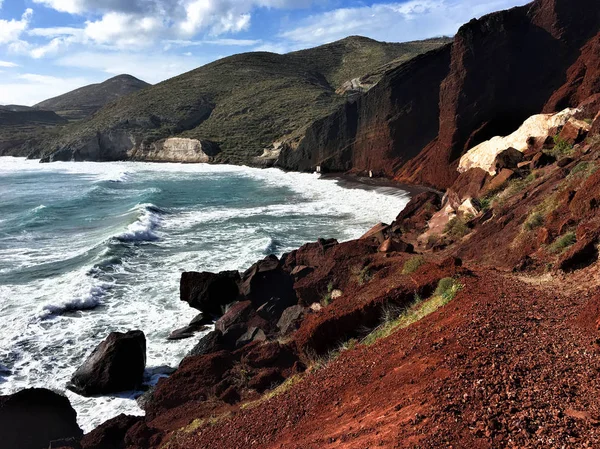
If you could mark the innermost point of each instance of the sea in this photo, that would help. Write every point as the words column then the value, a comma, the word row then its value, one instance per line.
column 90, row 248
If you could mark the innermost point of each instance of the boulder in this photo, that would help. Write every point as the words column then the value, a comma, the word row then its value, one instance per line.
column 209, row 292
column 395, row 245
column 309, row 255
column 470, row 183
column 574, row 131
column 211, row 342
column 265, row 280
column 563, row 162
column 301, row 271
column 541, row 159
column 186, row 332
column 117, row 364
column 33, row 418
column 111, row 434
column 291, row 318
column 508, row 158
column 377, row 232
column 251, row 335
column 499, row 180
column 239, row 313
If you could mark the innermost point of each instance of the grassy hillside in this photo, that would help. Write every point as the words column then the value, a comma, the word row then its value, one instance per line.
column 83, row 102
column 247, row 101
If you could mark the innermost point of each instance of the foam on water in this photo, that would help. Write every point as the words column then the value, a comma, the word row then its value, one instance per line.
column 106, row 251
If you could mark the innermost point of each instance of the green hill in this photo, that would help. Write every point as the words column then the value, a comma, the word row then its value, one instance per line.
column 244, row 103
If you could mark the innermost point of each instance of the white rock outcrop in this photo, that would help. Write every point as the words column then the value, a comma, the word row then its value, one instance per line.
column 537, row 126
column 178, row 149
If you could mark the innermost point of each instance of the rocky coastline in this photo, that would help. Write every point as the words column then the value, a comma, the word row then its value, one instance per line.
column 471, row 320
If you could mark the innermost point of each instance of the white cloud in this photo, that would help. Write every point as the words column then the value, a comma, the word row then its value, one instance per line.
column 223, row 42
column 55, row 31
column 150, row 67
column 8, row 64
column 30, row 88
column 394, row 22
column 11, row 30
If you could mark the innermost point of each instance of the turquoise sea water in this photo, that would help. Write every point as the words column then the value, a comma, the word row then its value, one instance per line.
column 90, row 248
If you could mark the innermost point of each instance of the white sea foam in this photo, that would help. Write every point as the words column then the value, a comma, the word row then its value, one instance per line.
column 144, row 228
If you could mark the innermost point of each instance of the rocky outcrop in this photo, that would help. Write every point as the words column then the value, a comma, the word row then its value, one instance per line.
column 534, row 129
column 209, row 292
column 176, row 149
column 117, row 364
column 34, row 418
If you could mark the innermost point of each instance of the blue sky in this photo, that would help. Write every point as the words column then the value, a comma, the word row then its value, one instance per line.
column 48, row 47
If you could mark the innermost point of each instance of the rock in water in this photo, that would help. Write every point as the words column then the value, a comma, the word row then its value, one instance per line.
column 32, row 419
column 209, row 292
column 117, row 364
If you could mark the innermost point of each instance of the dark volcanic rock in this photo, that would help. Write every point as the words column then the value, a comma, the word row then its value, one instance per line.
column 265, row 280
column 111, row 434
column 508, row 158
column 239, row 313
column 291, row 319
column 117, row 364
column 211, row 342
column 31, row 419
column 209, row 292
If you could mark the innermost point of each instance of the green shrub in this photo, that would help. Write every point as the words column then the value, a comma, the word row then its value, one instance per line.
column 561, row 148
column 534, row 221
column 563, row 242
column 327, row 297
column 456, row 228
column 447, row 289
column 413, row 264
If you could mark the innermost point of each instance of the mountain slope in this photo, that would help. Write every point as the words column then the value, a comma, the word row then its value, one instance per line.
column 244, row 103
column 83, row 102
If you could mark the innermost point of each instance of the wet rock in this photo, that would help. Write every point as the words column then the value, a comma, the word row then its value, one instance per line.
column 209, row 292
column 186, row 332
column 291, row 319
column 117, row 364
column 111, row 434
column 251, row 335
column 211, row 342
column 266, row 280
column 33, row 418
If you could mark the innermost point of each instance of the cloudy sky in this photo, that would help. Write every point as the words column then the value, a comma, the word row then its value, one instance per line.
column 48, row 47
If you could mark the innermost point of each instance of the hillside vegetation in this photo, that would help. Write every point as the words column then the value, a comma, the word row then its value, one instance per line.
column 83, row 102
column 244, row 102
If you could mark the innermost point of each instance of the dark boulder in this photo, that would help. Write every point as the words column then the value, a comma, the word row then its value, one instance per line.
column 209, row 292
column 211, row 342
column 508, row 158
column 291, row 319
column 253, row 334
column 117, row 364
column 32, row 419
column 309, row 255
column 265, row 280
column 186, row 332
column 239, row 313
column 111, row 434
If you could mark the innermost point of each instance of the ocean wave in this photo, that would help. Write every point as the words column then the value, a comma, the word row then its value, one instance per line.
column 87, row 302
column 144, row 229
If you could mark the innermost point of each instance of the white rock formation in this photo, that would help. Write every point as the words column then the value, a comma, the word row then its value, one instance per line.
column 177, row 149
column 538, row 126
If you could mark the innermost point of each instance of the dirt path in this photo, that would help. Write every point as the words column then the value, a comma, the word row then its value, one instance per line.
column 506, row 364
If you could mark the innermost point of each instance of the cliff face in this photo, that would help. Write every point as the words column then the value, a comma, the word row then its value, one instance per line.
column 505, row 67
column 382, row 128
column 502, row 69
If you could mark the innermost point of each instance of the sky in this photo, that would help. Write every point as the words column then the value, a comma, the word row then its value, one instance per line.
column 49, row 47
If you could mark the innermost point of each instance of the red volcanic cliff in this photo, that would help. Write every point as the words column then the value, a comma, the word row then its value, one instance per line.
column 503, row 68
